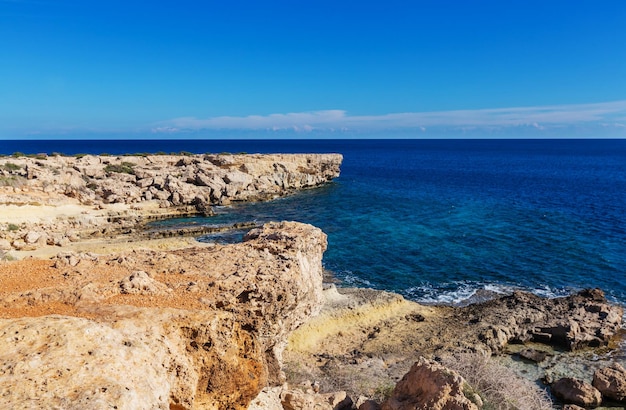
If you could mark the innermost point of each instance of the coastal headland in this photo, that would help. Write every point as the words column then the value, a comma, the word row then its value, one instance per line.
column 99, row 311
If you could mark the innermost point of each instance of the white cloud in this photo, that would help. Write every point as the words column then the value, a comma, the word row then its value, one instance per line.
column 165, row 130
column 540, row 118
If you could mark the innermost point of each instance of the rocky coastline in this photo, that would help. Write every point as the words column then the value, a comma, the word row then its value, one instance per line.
column 54, row 201
column 102, row 313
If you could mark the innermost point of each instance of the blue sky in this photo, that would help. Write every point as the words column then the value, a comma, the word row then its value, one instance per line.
column 312, row 69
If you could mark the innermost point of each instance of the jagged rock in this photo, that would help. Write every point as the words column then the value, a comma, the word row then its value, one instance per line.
column 203, row 206
column 141, row 283
column 429, row 386
column 574, row 391
column 145, row 182
column 582, row 320
column 611, row 381
column 216, row 345
column 572, row 407
column 32, row 237
column 192, row 187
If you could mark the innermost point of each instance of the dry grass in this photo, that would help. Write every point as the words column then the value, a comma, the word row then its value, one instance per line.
column 337, row 374
column 499, row 387
column 14, row 181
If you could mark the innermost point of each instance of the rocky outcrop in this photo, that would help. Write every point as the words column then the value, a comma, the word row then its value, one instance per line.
column 582, row 320
column 194, row 328
column 118, row 193
column 611, row 382
column 286, row 398
column 366, row 340
column 573, row 391
column 430, row 386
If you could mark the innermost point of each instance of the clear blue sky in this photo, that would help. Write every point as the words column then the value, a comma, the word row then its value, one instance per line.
column 314, row 69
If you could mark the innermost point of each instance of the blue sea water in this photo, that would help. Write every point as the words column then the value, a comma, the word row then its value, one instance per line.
column 437, row 220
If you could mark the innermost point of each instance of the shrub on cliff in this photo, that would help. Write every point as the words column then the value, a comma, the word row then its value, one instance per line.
column 499, row 387
column 123, row 168
column 14, row 181
column 9, row 166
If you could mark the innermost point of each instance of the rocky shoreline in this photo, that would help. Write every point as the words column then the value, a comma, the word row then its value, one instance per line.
column 57, row 200
column 251, row 325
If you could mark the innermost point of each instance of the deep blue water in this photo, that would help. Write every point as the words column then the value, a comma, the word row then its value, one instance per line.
column 436, row 220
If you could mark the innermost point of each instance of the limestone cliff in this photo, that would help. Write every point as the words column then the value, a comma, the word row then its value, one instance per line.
column 195, row 328
column 52, row 200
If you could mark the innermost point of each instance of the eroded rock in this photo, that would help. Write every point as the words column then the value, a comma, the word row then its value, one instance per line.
column 611, row 381
column 215, row 344
column 574, row 391
column 582, row 320
column 129, row 189
column 429, row 386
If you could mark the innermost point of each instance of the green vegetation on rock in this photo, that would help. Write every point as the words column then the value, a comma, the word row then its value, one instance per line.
column 123, row 168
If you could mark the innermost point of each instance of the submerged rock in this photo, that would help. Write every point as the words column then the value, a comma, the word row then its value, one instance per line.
column 534, row 355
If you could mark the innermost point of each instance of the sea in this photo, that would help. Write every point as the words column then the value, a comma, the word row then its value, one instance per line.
column 440, row 221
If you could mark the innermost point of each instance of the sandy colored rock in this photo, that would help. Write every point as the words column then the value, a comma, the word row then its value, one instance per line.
column 429, row 386
column 140, row 282
column 533, row 355
column 192, row 328
column 73, row 199
column 75, row 363
column 267, row 399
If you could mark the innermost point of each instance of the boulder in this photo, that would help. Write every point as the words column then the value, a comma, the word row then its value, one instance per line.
column 429, row 386
column 534, row 355
column 363, row 403
column 268, row 399
column 32, row 237
column 611, row 381
column 299, row 400
column 5, row 245
column 20, row 245
column 141, row 283
column 574, row 391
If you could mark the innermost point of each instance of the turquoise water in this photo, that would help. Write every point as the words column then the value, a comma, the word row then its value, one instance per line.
column 438, row 220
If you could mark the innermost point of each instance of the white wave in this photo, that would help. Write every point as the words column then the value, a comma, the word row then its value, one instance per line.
column 551, row 293
column 349, row 279
column 429, row 294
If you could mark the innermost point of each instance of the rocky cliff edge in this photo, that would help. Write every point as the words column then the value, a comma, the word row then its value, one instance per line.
column 194, row 328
